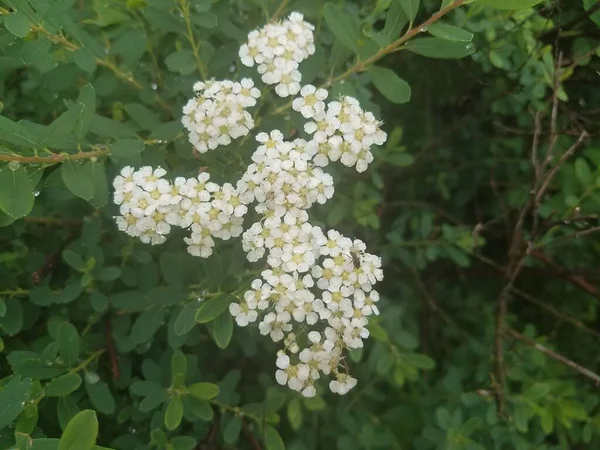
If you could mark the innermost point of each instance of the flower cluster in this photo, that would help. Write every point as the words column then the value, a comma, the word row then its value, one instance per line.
column 150, row 206
column 316, row 293
column 278, row 49
column 217, row 114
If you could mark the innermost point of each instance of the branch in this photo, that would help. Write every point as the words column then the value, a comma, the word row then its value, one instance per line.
column 280, row 10
column 112, row 352
column 544, row 187
column 39, row 275
column 556, row 356
column 54, row 159
column 362, row 65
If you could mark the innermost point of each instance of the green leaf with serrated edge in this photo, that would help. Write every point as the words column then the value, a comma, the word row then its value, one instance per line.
column 410, row 8
column 223, row 329
column 87, row 97
column 450, row 32
column 101, row 397
column 81, row 432
column 174, row 413
column 63, row 385
column 211, row 308
column 510, row 4
column 231, row 432
column 17, row 23
column 273, row 440
column 343, row 25
column 391, row 86
column 16, row 133
column 13, row 396
column 432, row 47
column 16, row 192
column 203, row 391
column 62, row 126
column 68, row 344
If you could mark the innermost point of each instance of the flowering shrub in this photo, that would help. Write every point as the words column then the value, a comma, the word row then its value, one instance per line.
column 165, row 174
column 319, row 286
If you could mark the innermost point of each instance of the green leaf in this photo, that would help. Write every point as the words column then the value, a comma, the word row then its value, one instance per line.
column 87, row 180
column 73, row 260
column 146, row 119
column 101, row 397
column 181, row 61
column 76, row 177
column 87, row 97
column 419, row 360
column 432, row 47
column 147, row 324
column 343, row 25
column 16, row 192
column 68, row 344
column 223, row 329
column 16, row 133
column 185, row 320
column 63, row 385
column 391, row 86
column 178, row 364
column 211, row 308
column 203, row 391
column 183, row 443
column 410, row 8
column 294, row 413
column 174, row 413
column 450, row 32
column 127, row 152
column 232, row 430
column 61, row 127
column 81, row 432
column 13, row 396
column 510, row 4
column 85, row 60
column 17, row 23
column 583, row 171
column 273, row 440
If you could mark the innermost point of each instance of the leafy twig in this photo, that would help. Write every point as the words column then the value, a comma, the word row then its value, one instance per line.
column 185, row 12
column 54, row 159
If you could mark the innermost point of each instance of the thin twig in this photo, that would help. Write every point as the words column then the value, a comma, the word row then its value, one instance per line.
column 544, row 187
column 280, row 10
column 556, row 356
column 50, row 262
column 54, row 159
column 251, row 437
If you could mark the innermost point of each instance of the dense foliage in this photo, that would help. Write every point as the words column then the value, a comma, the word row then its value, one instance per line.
column 483, row 204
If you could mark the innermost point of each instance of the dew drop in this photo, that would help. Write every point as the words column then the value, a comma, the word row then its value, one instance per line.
column 469, row 46
column 91, row 377
column 154, row 86
column 36, row 193
column 423, row 29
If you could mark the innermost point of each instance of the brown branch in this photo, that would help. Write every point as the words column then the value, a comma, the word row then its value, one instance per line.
column 556, row 356
column 52, row 221
column 544, row 187
column 251, row 437
column 577, row 280
column 54, row 159
column 360, row 66
column 112, row 352
column 50, row 262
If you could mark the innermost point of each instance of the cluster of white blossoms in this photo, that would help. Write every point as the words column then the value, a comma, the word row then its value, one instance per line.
column 150, row 206
column 218, row 112
column 316, row 293
column 278, row 49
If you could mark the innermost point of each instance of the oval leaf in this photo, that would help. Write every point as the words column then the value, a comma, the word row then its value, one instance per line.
column 343, row 25
column 450, row 32
column 432, row 47
column 203, row 391
column 16, row 192
column 174, row 413
column 391, row 86
column 81, row 432
column 510, row 4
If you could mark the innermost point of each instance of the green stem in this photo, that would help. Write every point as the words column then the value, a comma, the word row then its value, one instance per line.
column 54, row 159
column 185, row 11
column 94, row 356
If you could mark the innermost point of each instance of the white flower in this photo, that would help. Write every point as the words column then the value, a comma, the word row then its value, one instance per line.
column 310, row 102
